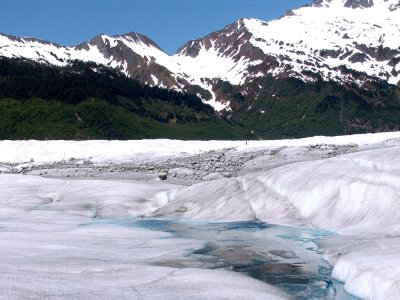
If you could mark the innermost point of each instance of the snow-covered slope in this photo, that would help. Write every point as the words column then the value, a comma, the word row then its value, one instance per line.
column 327, row 38
column 318, row 38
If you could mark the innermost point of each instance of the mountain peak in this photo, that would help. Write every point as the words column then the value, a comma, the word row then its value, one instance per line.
column 134, row 37
column 225, row 41
column 139, row 38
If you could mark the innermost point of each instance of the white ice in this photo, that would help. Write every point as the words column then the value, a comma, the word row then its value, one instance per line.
column 356, row 195
column 120, row 151
column 51, row 248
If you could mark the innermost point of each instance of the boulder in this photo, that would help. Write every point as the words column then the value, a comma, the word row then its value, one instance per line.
column 162, row 175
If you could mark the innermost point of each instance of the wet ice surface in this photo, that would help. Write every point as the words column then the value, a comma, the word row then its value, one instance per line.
column 44, row 253
column 285, row 257
column 98, row 260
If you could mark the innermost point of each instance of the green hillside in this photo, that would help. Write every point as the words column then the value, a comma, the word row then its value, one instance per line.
column 88, row 101
column 289, row 107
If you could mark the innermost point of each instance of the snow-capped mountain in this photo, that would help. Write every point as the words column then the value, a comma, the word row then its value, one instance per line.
column 330, row 39
column 362, row 35
column 132, row 53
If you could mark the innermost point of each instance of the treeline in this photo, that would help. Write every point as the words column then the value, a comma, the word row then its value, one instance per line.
column 89, row 101
column 79, row 81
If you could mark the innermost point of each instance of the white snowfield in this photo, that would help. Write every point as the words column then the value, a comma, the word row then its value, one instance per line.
column 356, row 195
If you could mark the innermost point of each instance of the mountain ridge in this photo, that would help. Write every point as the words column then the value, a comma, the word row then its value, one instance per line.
column 229, row 53
column 337, row 55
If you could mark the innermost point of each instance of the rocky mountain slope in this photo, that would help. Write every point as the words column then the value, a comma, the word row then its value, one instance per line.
column 350, row 44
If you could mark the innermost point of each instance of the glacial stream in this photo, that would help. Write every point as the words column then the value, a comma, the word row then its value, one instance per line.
column 285, row 257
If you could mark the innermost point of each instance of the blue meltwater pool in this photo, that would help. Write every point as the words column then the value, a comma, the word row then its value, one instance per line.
column 285, row 257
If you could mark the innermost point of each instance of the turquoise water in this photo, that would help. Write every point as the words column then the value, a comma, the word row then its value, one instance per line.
column 285, row 257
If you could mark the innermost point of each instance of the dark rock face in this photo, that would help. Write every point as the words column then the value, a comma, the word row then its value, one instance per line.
column 394, row 7
column 394, row 61
column 318, row 3
column 379, row 53
column 289, row 13
column 83, row 46
column 330, row 53
column 358, row 57
column 345, row 55
column 348, row 3
column 345, row 36
column 226, row 42
column 359, row 3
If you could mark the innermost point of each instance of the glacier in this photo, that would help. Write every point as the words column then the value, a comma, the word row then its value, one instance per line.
column 50, row 249
column 48, row 236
